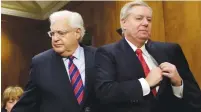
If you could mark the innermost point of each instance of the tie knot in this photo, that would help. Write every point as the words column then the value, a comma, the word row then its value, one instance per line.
column 71, row 57
column 138, row 52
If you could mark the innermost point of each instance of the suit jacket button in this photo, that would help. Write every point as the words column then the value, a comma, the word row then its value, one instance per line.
column 87, row 109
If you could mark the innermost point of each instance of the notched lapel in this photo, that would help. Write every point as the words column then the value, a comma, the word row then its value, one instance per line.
column 61, row 76
column 88, row 55
column 131, row 59
column 160, row 57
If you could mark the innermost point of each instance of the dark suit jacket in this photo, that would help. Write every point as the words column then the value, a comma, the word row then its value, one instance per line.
column 117, row 86
column 49, row 88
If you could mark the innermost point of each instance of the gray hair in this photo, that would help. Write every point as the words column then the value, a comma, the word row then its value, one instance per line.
column 125, row 11
column 75, row 20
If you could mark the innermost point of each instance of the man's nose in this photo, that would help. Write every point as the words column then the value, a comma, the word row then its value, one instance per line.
column 55, row 37
column 145, row 22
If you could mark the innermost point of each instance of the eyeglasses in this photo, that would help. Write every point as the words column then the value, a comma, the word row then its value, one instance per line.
column 60, row 33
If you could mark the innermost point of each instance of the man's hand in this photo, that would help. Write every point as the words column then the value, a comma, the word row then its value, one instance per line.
column 169, row 70
column 154, row 77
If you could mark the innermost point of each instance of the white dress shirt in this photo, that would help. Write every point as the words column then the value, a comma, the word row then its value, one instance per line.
column 151, row 62
column 79, row 61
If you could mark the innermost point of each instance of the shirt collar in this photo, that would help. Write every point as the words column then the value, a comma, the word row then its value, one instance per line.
column 135, row 48
column 77, row 53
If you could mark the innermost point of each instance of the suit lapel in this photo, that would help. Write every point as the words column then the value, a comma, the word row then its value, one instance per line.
column 88, row 62
column 61, row 75
column 155, row 52
column 160, row 57
column 131, row 60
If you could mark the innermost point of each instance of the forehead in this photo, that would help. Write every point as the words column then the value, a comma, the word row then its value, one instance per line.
column 141, row 10
column 59, row 24
column 11, row 97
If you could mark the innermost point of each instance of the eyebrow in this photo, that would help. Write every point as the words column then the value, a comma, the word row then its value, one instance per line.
column 142, row 15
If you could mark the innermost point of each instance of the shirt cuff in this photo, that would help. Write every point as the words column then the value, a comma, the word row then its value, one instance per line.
column 178, row 90
column 145, row 86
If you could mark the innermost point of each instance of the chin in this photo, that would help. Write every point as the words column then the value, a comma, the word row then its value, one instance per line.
column 58, row 50
column 144, row 37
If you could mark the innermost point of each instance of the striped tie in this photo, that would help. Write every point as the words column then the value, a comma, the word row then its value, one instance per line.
column 76, row 80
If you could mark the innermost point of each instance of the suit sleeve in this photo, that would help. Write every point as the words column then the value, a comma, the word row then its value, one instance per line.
column 30, row 100
column 191, row 90
column 108, row 89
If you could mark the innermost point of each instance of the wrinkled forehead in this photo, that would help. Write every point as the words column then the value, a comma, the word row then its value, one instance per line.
column 141, row 10
column 59, row 23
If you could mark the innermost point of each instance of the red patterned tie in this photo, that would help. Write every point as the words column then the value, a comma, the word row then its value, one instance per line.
column 76, row 80
column 145, row 66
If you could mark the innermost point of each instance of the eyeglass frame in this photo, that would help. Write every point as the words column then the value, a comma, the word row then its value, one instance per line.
column 59, row 32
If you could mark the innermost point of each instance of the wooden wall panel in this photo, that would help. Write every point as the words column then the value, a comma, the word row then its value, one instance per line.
column 101, row 18
column 104, row 18
column 10, row 59
column 183, row 26
column 21, row 40
column 158, row 32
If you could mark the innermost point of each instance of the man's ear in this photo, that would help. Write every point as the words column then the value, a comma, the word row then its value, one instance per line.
column 78, row 33
column 123, row 24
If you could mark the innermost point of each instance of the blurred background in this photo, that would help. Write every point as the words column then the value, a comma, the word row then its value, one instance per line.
column 24, row 26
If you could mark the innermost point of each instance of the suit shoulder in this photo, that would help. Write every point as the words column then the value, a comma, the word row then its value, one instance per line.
column 108, row 47
column 167, row 45
column 90, row 48
column 111, row 50
column 43, row 55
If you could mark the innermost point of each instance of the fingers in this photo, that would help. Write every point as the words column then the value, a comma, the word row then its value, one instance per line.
column 168, row 70
column 164, row 65
column 167, row 67
column 166, row 74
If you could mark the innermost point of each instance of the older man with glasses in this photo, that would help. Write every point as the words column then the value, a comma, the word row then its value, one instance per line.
column 61, row 78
